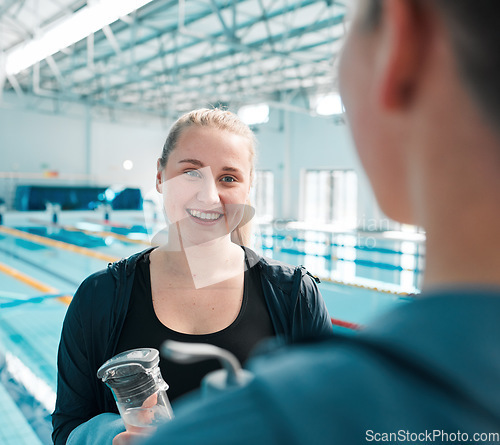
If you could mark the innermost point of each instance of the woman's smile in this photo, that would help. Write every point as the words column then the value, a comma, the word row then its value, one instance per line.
column 205, row 216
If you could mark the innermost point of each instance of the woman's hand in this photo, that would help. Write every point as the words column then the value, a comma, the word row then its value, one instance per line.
column 128, row 438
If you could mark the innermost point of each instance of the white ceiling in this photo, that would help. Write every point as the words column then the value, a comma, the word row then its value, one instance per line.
column 171, row 56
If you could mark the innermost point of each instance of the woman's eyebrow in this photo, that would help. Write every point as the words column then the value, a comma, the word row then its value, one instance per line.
column 191, row 161
column 231, row 169
column 200, row 164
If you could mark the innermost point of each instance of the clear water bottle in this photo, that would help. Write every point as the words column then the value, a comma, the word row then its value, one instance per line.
column 140, row 392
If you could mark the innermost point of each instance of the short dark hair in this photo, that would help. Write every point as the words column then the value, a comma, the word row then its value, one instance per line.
column 473, row 26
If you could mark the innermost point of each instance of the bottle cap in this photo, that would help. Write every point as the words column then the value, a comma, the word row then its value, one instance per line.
column 138, row 359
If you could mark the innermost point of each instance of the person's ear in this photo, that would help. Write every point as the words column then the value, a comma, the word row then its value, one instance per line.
column 159, row 176
column 402, row 53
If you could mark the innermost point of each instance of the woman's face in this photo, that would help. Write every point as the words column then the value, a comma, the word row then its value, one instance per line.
column 206, row 183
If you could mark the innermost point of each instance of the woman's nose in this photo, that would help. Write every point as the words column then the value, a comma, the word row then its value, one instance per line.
column 208, row 193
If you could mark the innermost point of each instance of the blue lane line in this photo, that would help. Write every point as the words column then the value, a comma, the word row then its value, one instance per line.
column 13, row 302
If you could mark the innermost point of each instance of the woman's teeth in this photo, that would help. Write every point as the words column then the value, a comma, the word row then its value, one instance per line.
column 204, row 215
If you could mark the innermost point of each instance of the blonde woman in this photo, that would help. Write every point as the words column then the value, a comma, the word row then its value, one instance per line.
column 198, row 286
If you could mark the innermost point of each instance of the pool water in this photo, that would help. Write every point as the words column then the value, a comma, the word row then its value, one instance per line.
column 39, row 263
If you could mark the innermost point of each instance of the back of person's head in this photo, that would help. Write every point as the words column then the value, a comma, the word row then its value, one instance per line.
column 475, row 38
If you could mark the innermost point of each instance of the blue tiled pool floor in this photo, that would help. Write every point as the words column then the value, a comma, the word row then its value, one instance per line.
column 14, row 428
column 31, row 332
column 29, row 337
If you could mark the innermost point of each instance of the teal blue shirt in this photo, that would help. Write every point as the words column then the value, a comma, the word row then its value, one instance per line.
column 427, row 369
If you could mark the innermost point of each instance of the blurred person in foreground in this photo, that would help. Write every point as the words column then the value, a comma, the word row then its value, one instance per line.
column 419, row 80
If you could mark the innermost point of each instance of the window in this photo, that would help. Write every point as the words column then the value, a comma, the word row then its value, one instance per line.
column 262, row 197
column 329, row 196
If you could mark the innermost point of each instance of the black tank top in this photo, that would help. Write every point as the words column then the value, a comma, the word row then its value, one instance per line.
column 143, row 329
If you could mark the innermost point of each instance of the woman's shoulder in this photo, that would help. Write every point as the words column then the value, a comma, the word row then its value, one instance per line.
column 269, row 265
column 283, row 274
column 104, row 280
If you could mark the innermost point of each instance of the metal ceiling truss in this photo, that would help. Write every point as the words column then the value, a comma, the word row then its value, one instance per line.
column 172, row 56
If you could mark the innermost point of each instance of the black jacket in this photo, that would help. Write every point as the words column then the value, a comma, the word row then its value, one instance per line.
column 96, row 315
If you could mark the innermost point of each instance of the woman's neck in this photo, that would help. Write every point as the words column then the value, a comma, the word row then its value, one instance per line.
column 206, row 264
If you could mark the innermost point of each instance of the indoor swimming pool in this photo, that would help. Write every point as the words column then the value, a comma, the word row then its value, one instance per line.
column 42, row 264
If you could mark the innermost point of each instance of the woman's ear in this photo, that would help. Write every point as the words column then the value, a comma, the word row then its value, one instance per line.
column 159, row 176
column 402, row 52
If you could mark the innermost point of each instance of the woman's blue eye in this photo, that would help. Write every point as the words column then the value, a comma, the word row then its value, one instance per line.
column 228, row 179
column 193, row 173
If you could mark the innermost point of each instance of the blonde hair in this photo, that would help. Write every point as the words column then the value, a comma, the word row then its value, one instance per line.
column 225, row 121
column 211, row 118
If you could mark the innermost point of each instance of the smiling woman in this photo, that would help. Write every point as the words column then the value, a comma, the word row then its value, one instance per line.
column 205, row 182
column 197, row 286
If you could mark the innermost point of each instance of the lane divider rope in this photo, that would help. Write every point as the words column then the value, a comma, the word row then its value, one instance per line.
column 100, row 233
column 58, row 244
column 103, row 234
column 32, row 282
